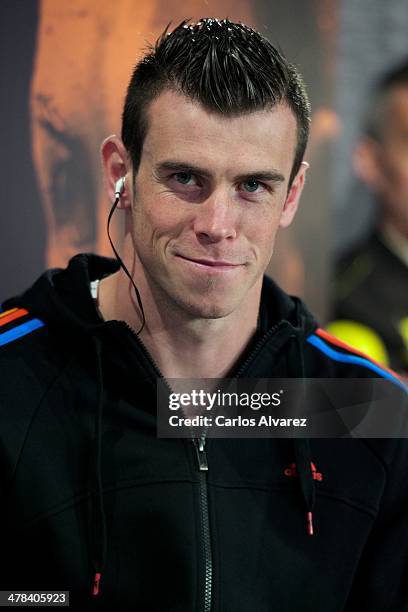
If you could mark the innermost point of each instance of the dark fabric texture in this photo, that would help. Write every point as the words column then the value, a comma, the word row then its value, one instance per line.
column 86, row 485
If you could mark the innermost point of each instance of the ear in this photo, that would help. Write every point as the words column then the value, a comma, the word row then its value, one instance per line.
column 292, row 199
column 365, row 162
column 116, row 164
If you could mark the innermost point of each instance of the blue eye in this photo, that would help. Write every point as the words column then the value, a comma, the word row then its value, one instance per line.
column 254, row 186
column 183, row 177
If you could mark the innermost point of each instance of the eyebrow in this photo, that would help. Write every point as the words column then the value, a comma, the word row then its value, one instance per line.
column 263, row 175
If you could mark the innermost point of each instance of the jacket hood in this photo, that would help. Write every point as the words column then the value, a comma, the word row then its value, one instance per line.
column 62, row 299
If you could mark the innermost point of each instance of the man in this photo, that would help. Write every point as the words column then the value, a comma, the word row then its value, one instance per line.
column 372, row 280
column 209, row 166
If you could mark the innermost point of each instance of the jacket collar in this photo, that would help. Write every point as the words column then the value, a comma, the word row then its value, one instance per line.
column 62, row 299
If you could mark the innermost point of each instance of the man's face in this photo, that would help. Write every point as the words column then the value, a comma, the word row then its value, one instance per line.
column 209, row 198
column 392, row 161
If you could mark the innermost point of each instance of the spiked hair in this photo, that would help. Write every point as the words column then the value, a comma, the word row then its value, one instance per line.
column 227, row 67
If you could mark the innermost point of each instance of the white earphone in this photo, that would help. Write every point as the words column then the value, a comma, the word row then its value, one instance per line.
column 119, row 186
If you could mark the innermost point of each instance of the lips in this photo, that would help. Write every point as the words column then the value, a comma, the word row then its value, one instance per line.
column 210, row 262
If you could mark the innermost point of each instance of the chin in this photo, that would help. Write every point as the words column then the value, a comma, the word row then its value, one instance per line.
column 203, row 309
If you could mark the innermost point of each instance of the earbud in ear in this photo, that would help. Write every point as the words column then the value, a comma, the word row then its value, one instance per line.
column 119, row 186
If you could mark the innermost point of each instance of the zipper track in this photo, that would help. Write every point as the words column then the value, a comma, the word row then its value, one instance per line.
column 202, row 461
column 199, row 446
column 259, row 345
column 148, row 355
column 205, row 521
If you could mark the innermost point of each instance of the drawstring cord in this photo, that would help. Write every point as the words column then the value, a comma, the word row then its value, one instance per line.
column 98, row 509
column 302, row 450
column 304, row 470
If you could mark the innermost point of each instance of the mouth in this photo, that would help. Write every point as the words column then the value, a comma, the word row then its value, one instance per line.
column 213, row 264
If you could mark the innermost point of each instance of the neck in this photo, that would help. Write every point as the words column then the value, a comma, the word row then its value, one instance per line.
column 180, row 345
column 199, row 349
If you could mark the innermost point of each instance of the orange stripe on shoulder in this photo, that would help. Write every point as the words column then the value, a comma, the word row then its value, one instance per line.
column 324, row 334
column 10, row 315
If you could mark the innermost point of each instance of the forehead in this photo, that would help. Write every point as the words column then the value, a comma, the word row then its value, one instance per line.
column 181, row 128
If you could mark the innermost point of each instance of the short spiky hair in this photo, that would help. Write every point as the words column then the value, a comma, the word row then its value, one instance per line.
column 227, row 67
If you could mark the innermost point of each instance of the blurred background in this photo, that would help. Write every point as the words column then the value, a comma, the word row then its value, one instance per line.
column 64, row 67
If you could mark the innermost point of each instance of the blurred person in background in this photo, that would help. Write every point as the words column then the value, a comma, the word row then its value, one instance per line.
column 371, row 284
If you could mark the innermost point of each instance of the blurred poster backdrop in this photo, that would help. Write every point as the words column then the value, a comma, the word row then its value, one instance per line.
column 65, row 65
column 372, row 39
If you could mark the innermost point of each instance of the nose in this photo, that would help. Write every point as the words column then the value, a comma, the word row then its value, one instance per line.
column 215, row 220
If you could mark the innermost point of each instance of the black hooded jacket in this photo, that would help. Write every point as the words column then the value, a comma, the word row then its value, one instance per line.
column 88, row 490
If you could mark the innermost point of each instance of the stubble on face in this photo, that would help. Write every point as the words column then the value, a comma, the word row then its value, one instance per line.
column 166, row 216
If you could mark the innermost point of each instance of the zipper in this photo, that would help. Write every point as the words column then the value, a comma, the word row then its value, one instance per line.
column 199, row 445
column 259, row 345
column 241, row 370
column 143, row 346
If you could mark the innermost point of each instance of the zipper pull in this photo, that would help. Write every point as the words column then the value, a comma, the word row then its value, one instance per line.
column 201, row 454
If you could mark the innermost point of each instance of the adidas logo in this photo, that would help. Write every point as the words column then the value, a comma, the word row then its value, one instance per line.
column 292, row 471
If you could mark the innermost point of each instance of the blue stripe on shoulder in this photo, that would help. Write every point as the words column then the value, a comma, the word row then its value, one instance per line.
column 347, row 358
column 20, row 330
